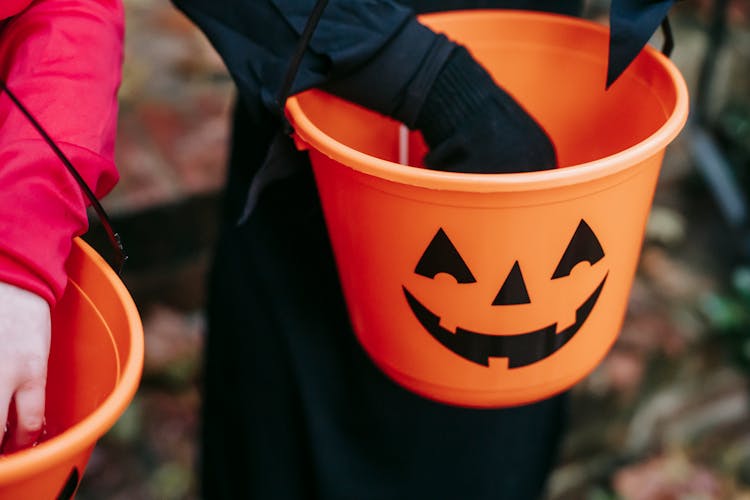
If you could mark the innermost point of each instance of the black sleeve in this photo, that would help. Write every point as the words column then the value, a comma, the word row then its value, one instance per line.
column 257, row 38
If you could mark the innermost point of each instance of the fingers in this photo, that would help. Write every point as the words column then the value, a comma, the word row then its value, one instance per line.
column 5, row 400
column 28, row 423
column 24, row 349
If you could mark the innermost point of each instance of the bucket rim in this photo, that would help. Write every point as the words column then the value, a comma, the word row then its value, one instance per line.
column 311, row 136
column 78, row 438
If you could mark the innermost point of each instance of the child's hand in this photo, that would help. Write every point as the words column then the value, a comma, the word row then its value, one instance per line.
column 24, row 349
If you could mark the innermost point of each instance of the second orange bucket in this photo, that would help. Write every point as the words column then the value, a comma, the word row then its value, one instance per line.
column 497, row 290
column 94, row 370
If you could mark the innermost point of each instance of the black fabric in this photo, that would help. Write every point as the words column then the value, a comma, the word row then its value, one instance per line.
column 569, row 7
column 632, row 24
column 472, row 125
column 294, row 409
column 353, row 43
column 403, row 81
column 256, row 39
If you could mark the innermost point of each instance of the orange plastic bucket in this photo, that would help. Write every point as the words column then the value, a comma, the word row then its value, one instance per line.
column 94, row 369
column 503, row 289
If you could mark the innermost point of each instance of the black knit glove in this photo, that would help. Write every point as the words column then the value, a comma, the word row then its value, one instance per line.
column 472, row 125
column 469, row 123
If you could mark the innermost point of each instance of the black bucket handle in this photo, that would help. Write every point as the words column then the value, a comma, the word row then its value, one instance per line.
column 668, row 45
column 114, row 237
column 296, row 60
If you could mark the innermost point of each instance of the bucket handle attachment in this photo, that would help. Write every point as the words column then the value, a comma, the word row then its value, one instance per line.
column 293, row 68
column 299, row 142
column 114, row 237
column 668, row 45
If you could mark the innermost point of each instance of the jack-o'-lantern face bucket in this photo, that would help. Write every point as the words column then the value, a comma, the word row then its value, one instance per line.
column 96, row 357
column 503, row 289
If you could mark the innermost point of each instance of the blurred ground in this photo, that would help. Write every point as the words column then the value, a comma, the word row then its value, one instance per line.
column 666, row 415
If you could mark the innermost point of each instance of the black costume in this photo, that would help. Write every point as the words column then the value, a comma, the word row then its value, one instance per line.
column 293, row 407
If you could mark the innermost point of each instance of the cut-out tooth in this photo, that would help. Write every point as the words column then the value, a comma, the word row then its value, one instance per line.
column 451, row 327
column 566, row 321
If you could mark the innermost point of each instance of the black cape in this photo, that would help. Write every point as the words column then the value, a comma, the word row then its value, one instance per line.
column 293, row 408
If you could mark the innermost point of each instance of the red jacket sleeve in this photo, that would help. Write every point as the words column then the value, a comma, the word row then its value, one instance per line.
column 62, row 59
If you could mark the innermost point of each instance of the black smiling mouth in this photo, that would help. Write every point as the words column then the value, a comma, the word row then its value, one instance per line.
column 521, row 350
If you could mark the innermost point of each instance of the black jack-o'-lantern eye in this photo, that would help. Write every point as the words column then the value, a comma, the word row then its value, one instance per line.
column 583, row 247
column 441, row 256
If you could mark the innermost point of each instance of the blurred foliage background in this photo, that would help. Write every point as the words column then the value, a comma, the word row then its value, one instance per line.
column 665, row 416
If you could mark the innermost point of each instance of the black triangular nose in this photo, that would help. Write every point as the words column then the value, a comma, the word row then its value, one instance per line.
column 513, row 290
